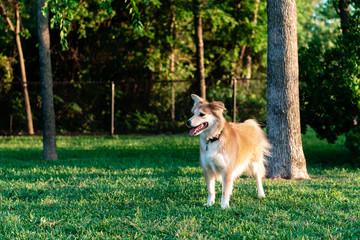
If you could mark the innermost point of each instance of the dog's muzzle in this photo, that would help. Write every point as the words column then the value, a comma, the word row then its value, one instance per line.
column 188, row 123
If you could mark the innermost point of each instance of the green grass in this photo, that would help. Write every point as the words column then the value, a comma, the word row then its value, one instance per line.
column 129, row 187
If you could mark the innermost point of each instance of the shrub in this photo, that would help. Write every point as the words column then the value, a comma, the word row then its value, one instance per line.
column 353, row 140
column 329, row 86
column 250, row 101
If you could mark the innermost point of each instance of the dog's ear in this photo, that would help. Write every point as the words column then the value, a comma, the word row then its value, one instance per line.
column 217, row 106
column 197, row 100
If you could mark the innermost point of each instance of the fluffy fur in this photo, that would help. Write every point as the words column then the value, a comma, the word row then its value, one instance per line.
column 227, row 149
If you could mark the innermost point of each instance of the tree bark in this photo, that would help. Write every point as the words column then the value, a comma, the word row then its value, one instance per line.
column 16, row 31
column 283, row 113
column 248, row 67
column 249, row 50
column 200, row 68
column 49, row 135
column 172, row 64
column 344, row 13
column 23, row 72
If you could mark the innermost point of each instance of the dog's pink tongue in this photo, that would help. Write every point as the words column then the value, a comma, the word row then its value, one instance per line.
column 192, row 131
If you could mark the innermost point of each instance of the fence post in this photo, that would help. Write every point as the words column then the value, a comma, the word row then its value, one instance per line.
column 234, row 96
column 112, row 107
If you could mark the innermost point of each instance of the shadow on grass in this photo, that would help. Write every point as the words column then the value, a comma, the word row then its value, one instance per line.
column 103, row 158
column 157, row 152
column 320, row 154
column 330, row 156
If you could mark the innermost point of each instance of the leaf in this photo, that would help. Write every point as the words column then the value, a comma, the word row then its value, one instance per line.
column 75, row 107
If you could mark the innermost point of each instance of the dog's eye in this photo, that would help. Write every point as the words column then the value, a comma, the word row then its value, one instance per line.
column 201, row 114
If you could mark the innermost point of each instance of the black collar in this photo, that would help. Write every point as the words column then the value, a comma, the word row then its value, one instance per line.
column 214, row 138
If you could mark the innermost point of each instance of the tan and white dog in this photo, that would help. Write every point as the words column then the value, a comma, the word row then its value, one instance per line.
column 227, row 149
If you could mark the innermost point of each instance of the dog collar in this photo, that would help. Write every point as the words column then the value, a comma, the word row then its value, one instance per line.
column 215, row 138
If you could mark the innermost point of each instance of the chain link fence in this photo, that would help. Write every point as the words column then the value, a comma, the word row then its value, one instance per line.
column 121, row 107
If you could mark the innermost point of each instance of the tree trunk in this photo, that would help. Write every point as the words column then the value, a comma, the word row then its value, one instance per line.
column 200, row 68
column 283, row 113
column 16, row 31
column 25, row 86
column 172, row 64
column 344, row 13
column 250, row 51
column 49, row 141
column 248, row 67
column 239, row 64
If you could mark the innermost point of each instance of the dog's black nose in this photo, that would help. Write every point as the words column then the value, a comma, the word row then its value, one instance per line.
column 188, row 123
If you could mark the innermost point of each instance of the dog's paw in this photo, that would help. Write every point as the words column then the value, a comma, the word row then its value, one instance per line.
column 225, row 205
column 210, row 202
column 261, row 196
column 225, row 202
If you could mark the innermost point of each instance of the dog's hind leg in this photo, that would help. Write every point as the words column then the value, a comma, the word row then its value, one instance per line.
column 258, row 170
column 210, row 182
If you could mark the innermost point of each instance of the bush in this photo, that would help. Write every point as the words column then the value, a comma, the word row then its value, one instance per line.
column 141, row 122
column 329, row 83
column 353, row 141
column 329, row 87
column 250, row 101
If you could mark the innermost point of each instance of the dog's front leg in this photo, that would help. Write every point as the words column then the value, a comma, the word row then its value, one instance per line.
column 210, row 182
column 227, row 186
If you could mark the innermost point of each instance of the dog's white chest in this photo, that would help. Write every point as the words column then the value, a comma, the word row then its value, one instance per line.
column 211, row 157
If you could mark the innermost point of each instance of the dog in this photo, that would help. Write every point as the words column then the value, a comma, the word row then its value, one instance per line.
column 227, row 149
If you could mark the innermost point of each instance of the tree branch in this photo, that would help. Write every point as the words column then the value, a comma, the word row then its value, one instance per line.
column 17, row 14
column 6, row 17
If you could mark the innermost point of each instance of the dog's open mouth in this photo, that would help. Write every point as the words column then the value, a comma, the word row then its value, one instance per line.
column 198, row 129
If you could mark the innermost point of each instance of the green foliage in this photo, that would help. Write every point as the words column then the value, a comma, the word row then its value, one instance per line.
column 78, row 114
column 329, row 87
column 317, row 22
column 17, row 107
column 64, row 12
column 152, row 187
column 329, row 103
column 141, row 122
column 324, row 25
column 6, row 74
column 353, row 141
column 250, row 101
column 104, row 45
column 231, row 28
column 135, row 15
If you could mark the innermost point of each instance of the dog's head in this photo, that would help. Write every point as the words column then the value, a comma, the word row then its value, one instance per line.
column 206, row 115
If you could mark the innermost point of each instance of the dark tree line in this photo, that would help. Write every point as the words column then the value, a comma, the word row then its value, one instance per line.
column 138, row 45
column 330, row 79
column 104, row 45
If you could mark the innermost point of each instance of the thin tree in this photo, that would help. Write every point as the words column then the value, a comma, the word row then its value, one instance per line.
column 343, row 10
column 47, row 97
column 199, row 43
column 249, row 51
column 283, row 113
column 172, row 61
column 16, row 31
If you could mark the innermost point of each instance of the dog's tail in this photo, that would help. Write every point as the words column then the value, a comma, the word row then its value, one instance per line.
column 264, row 145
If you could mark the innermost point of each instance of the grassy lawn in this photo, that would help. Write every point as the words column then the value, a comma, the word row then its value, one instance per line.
column 129, row 187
